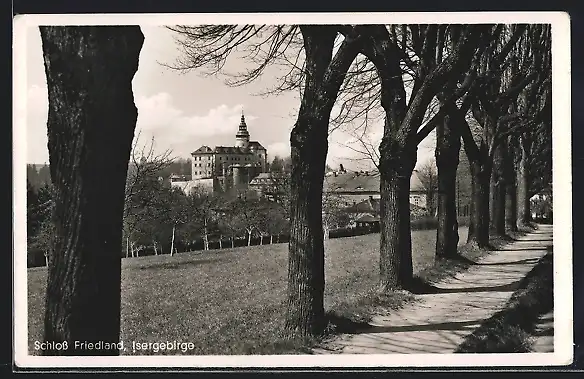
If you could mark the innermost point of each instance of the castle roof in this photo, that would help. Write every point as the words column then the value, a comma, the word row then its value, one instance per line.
column 221, row 150
column 203, row 150
column 241, row 133
column 256, row 145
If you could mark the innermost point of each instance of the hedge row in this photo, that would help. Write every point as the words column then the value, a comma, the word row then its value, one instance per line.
column 36, row 258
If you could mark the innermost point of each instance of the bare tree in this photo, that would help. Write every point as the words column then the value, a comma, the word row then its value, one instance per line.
column 428, row 177
column 142, row 191
column 44, row 238
column 434, row 67
column 506, row 68
column 534, row 165
column 91, row 123
column 202, row 212
column 319, row 77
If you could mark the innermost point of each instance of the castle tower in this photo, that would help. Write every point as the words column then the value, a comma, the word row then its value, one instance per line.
column 242, row 136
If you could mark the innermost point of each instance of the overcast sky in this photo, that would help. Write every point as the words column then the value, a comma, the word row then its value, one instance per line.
column 184, row 111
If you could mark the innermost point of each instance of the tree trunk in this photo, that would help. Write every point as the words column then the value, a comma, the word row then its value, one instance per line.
column 46, row 259
column 511, row 206
column 232, row 242
column 447, row 159
column 249, row 238
column 499, row 189
column 395, row 260
column 172, row 240
column 480, row 178
column 524, row 206
column 91, row 122
column 155, row 248
column 397, row 160
column 220, row 242
column 127, row 247
column 309, row 144
column 271, row 238
column 511, row 189
column 205, row 239
column 261, row 239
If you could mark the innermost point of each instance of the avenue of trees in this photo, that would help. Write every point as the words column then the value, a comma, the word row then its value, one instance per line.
column 484, row 88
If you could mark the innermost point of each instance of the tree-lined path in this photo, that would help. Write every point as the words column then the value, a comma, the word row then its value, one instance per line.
column 452, row 308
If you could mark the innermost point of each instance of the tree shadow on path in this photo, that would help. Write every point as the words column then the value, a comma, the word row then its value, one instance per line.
column 439, row 326
column 420, row 287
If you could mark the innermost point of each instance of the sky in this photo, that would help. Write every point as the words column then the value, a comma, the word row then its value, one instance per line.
column 182, row 111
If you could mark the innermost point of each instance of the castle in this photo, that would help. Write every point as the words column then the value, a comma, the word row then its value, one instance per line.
column 225, row 167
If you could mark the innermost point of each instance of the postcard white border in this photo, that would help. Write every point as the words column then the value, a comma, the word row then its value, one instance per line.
column 562, row 183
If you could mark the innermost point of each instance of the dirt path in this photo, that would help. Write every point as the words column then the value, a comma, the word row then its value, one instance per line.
column 438, row 322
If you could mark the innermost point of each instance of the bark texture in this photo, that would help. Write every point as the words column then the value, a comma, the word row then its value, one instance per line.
column 447, row 159
column 524, row 206
column 511, row 188
column 396, row 164
column 480, row 169
column 499, row 189
column 309, row 145
column 479, row 234
column 91, row 124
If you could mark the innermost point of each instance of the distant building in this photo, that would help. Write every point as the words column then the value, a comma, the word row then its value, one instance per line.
column 353, row 187
column 272, row 185
column 366, row 213
column 226, row 167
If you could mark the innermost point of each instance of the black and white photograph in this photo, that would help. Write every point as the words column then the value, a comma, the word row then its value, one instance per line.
column 292, row 190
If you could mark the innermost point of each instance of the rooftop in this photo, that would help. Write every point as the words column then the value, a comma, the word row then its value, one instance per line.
column 253, row 145
column 372, row 206
column 263, row 177
column 361, row 181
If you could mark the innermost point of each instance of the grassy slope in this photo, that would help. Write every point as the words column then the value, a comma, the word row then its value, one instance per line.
column 231, row 301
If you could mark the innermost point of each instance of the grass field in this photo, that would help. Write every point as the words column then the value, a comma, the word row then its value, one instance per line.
column 230, row 301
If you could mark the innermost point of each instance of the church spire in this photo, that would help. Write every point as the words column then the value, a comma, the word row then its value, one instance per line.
column 242, row 124
column 242, row 136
